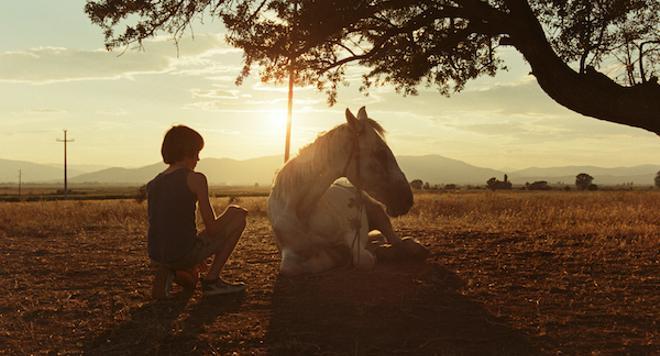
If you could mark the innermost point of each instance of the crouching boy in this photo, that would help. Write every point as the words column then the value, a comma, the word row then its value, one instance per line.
column 173, row 241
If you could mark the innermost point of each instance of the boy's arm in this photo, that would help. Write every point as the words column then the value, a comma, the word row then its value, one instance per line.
column 199, row 186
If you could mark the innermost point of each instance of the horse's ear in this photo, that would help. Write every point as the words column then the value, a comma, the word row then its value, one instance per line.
column 362, row 113
column 352, row 120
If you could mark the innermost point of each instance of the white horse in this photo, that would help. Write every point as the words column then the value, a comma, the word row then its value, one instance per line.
column 319, row 223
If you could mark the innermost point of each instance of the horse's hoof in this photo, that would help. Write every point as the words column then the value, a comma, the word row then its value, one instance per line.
column 414, row 249
column 376, row 237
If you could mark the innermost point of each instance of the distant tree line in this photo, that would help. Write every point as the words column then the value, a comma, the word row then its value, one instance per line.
column 583, row 181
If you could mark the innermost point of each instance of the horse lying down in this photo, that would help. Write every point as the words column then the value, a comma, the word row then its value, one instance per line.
column 319, row 223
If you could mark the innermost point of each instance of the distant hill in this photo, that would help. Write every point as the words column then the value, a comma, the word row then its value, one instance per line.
column 80, row 168
column 32, row 172
column 434, row 169
column 220, row 171
column 437, row 169
column 224, row 171
column 118, row 175
column 639, row 175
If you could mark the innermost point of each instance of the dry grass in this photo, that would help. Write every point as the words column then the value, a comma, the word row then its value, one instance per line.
column 601, row 214
column 633, row 215
column 511, row 272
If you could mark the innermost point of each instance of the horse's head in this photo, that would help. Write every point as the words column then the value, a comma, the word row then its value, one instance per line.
column 372, row 166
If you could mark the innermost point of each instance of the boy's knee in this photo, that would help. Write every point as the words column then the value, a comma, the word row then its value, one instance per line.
column 237, row 215
column 236, row 210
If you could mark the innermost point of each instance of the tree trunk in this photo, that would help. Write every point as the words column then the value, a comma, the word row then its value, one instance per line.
column 592, row 93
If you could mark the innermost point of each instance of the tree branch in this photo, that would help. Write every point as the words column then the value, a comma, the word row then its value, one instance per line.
column 592, row 94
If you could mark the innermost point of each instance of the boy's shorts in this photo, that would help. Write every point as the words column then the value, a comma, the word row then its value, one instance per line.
column 204, row 247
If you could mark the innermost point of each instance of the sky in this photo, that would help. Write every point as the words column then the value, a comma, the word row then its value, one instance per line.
column 55, row 75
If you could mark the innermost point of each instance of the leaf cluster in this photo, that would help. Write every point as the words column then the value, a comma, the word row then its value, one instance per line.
column 596, row 32
column 438, row 43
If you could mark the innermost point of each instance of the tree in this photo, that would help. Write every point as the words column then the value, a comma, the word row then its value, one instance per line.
column 583, row 181
column 538, row 185
column 491, row 183
column 443, row 43
column 416, row 184
column 657, row 180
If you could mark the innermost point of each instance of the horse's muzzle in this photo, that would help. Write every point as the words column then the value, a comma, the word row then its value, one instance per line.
column 399, row 200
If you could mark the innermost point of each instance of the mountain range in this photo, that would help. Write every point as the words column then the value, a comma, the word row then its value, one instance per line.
column 38, row 172
column 434, row 169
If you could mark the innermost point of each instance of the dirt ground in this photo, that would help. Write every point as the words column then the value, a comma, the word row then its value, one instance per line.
column 478, row 293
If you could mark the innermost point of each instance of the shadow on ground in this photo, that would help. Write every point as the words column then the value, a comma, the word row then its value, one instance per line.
column 395, row 309
column 163, row 327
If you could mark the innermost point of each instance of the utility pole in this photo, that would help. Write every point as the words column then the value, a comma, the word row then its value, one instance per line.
column 19, row 183
column 292, row 74
column 289, row 114
column 66, row 189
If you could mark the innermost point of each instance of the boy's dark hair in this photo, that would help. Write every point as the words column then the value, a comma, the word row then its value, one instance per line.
column 180, row 142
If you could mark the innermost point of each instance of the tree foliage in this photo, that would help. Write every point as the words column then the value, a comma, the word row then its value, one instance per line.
column 583, row 181
column 439, row 43
column 538, row 185
column 417, row 184
column 657, row 180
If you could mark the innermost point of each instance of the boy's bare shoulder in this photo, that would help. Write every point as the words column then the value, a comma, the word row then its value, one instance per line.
column 197, row 179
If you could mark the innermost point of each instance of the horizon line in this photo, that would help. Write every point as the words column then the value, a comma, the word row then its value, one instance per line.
column 282, row 155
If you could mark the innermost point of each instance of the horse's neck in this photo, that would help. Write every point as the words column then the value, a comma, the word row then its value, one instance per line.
column 315, row 174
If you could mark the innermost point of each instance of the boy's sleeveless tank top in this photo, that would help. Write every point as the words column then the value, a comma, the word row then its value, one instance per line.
column 171, row 211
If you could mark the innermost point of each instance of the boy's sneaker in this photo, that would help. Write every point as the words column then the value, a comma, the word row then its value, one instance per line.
column 162, row 283
column 219, row 286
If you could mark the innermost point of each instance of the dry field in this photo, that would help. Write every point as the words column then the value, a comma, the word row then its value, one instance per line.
column 510, row 273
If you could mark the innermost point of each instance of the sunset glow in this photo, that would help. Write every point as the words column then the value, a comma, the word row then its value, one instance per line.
column 54, row 74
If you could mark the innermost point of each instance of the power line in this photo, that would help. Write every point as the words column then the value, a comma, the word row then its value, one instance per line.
column 66, row 189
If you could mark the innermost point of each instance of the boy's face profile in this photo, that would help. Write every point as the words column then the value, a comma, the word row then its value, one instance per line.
column 190, row 162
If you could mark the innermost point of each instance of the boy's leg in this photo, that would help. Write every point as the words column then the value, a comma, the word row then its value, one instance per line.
column 162, row 282
column 228, row 226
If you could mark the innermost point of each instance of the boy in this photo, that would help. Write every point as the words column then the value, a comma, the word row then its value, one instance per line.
column 173, row 241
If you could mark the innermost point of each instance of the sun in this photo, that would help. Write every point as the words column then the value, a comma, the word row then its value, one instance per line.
column 276, row 123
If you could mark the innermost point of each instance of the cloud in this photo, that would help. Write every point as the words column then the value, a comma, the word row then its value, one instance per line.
column 259, row 86
column 46, row 65
column 42, row 111
column 514, row 98
column 112, row 112
column 218, row 94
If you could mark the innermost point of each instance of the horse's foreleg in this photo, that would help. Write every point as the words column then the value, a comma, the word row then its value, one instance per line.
column 379, row 220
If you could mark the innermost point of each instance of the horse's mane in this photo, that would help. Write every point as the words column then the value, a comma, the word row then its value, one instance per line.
column 320, row 141
column 315, row 157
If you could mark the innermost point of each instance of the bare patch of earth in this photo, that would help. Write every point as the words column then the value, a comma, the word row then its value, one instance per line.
column 478, row 293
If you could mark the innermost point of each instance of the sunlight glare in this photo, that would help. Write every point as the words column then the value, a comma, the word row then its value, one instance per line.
column 276, row 123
